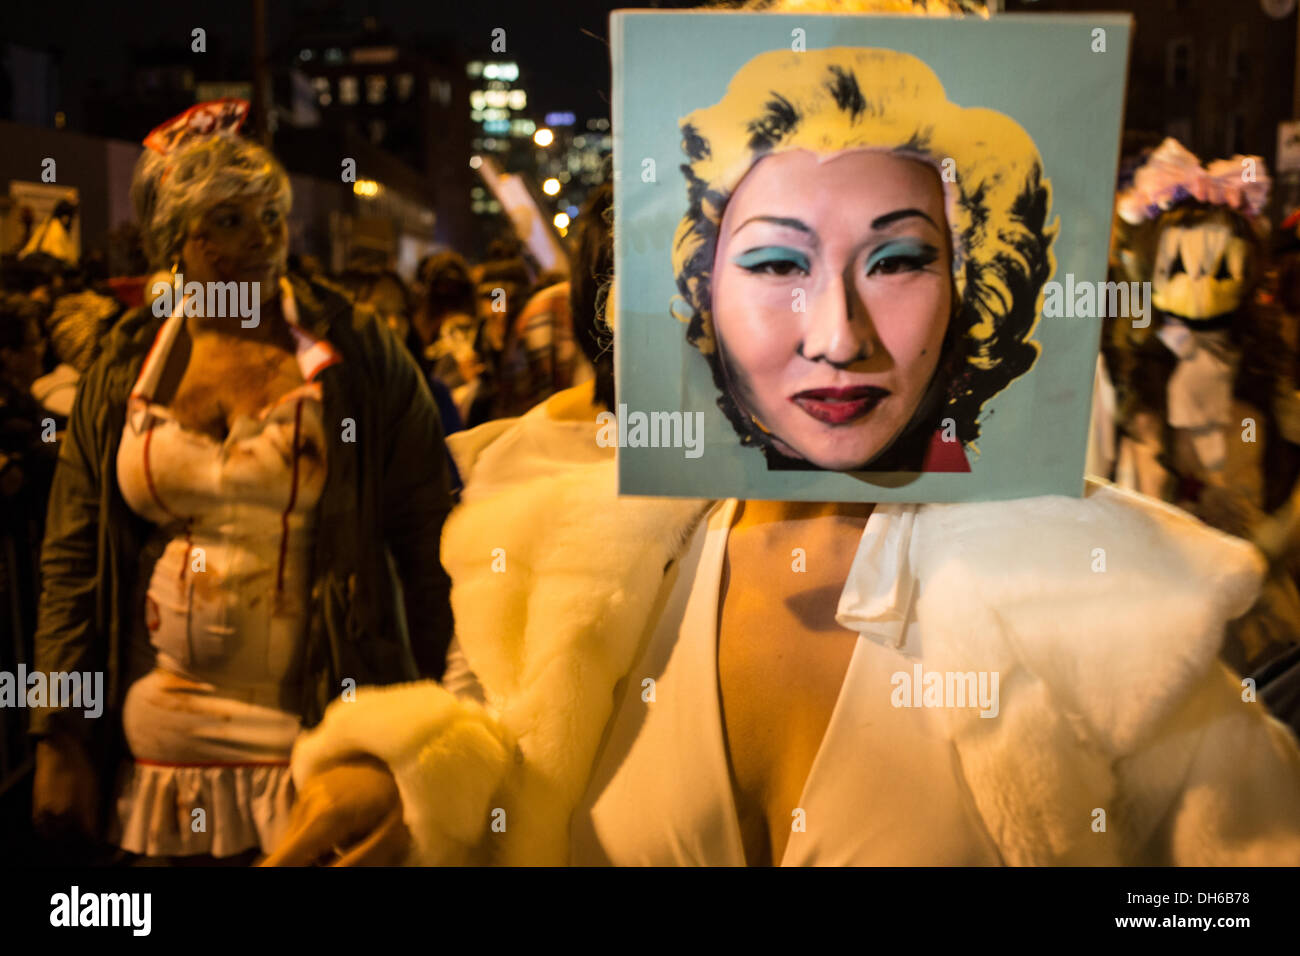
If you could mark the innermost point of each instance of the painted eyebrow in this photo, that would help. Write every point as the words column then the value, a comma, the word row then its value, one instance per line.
column 889, row 218
column 880, row 222
column 777, row 221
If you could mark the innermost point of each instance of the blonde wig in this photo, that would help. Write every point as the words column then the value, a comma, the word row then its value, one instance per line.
column 171, row 191
column 996, row 196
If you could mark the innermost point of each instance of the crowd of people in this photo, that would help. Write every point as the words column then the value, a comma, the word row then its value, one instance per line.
column 91, row 374
column 255, row 533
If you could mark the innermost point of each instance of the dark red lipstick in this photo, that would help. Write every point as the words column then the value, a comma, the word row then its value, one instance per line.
column 838, row 406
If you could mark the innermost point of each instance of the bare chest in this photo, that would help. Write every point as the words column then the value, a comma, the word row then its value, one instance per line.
column 225, row 379
column 781, row 663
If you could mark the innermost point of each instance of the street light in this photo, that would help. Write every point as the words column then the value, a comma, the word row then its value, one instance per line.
column 543, row 137
column 551, row 186
column 561, row 220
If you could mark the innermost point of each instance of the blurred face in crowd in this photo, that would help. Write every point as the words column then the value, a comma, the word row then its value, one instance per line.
column 487, row 295
column 832, row 293
column 240, row 239
column 388, row 299
column 494, row 301
column 426, row 325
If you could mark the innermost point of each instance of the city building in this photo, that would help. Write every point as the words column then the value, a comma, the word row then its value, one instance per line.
column 1216, row 75
column 402, row 96
column 558, row 156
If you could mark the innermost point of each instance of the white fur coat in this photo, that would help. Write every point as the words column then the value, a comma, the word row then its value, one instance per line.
column 1120, row 738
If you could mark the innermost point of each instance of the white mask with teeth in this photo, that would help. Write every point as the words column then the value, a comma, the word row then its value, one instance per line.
column 1201, row 268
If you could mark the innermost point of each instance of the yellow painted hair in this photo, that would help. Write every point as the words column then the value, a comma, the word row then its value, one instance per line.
column 828, row 101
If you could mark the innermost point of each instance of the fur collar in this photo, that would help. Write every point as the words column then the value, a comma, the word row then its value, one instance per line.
column 1100, row 614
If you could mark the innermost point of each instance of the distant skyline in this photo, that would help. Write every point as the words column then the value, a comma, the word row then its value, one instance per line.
column 565, row 67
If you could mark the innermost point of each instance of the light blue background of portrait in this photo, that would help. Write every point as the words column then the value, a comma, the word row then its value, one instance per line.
column 1038, row 69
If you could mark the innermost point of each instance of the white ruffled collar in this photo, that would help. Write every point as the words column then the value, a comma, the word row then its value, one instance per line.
column 878, row 600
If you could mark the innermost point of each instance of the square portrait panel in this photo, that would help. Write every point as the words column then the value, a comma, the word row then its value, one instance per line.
column 842, row 246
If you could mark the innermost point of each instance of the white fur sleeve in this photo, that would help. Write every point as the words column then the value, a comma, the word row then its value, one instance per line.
column 447, row 755
column 1228, row 775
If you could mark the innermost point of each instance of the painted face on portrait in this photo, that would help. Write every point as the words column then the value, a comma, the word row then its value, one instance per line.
column 832, row 294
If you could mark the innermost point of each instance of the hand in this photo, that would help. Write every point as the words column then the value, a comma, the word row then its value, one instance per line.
column 348, row 815
column 65, row 793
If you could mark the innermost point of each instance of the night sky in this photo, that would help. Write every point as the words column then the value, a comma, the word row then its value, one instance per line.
column 564, row 67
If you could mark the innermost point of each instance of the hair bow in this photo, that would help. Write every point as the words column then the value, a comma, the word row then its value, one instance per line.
column 1172, row 174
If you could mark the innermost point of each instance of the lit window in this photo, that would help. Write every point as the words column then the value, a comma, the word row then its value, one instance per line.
column 333, row 55
column 405, row 85
column 490, row 71
column 477, row 100
column 475, row 68
column 305, row 55
column 497, row 99
column 376, row 88
column 347, row 90
column 508, row 71
column 518, row 99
